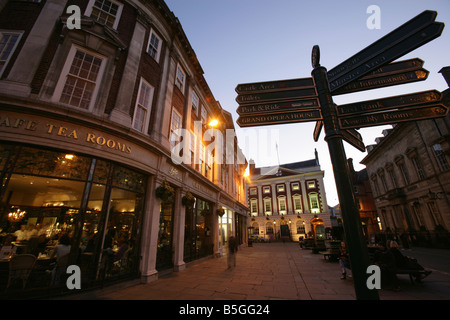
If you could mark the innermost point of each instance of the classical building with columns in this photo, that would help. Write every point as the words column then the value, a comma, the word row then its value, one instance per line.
column 93, row 112
column 288, row 201
column 409, row 172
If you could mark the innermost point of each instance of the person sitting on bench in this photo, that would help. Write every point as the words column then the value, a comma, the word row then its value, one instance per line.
column 406, row 263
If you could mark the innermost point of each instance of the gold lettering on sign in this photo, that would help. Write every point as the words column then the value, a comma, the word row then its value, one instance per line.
column 63, row 131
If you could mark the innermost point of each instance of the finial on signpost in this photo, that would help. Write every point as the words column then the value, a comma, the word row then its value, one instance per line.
column 315, row 57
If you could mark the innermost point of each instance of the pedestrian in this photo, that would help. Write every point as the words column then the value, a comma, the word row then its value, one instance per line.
column 343, row 260
column 232, row 250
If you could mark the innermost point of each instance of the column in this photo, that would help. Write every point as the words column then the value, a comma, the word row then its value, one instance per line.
column 22, row 73
column 150, row 228
column 178, row 232
column 121, row 111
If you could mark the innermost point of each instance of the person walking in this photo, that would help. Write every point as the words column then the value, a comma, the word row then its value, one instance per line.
column 232, row 250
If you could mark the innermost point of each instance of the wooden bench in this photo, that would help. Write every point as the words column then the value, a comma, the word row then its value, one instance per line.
column 329, row 255
column 419, row 274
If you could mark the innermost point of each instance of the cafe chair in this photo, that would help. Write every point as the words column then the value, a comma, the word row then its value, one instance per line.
column 20, row 267
column 60, row 270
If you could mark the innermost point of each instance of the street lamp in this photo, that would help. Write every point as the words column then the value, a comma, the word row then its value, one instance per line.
column 213, row 123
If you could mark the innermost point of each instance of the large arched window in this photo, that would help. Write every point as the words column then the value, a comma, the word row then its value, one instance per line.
column 300, row 226
column 255, row 226
column 269, row 227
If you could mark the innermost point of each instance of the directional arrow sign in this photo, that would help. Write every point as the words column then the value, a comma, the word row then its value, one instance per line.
column 396, row 67
column 382, row 80
column 263, row 97
column 278, row 106
column 274, row 85
column 381, row 118
column 402, row 40
column 317, row 130
column 279, row 118
column 354, row 138
column 397, row 102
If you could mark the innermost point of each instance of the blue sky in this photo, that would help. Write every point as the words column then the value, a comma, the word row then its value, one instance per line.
column 241, row 41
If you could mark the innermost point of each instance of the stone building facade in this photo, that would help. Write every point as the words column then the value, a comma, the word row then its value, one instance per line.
column 409, row 172
column 288, row 201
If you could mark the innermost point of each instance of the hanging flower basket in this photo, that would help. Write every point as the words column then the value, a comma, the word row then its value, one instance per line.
column 165, row 191
column 188, row 200
column 220, row 212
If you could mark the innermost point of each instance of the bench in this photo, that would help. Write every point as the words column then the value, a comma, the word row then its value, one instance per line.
column 329, row 255
column 418, row 274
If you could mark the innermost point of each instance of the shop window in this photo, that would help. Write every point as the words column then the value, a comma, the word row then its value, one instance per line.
column 198, row 225
column 8, row 44
column 55, row 190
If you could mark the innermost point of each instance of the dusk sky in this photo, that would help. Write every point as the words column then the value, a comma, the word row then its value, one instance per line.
column 242, row 41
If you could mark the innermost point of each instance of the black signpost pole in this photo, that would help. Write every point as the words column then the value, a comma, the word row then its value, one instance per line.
column 355, row 241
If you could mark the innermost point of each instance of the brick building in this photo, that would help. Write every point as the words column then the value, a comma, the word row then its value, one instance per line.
column 89, row 118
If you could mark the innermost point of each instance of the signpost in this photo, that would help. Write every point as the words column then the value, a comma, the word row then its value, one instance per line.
column 310, row 99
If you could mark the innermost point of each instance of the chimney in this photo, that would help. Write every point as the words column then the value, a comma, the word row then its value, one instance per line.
column 252, row 166
column 446, row 74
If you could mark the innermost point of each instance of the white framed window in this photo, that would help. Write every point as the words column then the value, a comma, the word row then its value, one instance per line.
column 311, row 184
column 282, row 205
column 280, row 187
column 266, row 189
column 440, row 157
column 314, row 202
column 180, row 78
column 106, row 12
column 254, row 207
column 295, row 186
column 253, row 191
column 195, row 103
column 175, row 123
column 267, row 206
column 154, row 45
column 143, row 106
column 80, row 78
column 8, row 44
column 297, row 201
column 204, row 115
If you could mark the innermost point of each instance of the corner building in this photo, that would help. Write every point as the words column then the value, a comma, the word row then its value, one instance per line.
column 88, row 119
